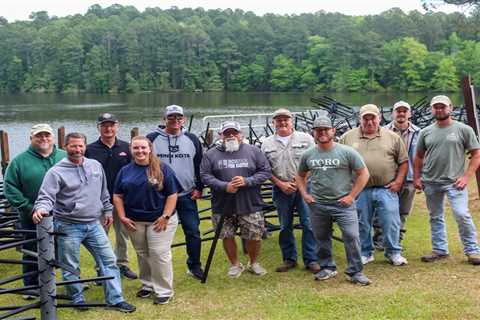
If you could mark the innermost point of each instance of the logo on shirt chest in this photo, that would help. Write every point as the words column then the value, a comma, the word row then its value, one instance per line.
column 452, row 137
column 324, row 164
column 173, row 149
column 232, row 163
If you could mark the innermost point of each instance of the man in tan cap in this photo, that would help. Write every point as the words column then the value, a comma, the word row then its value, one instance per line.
column 23, row 179
column 284, row 150
column 387, row 161
column 439, row 169
column 402, row 126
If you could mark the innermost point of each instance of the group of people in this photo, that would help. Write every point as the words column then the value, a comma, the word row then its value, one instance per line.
column 146, row 188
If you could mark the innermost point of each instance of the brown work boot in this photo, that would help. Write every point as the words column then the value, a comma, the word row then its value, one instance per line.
column 434, row 256
column 474, row 259
column 314, row 267
column 286, row 265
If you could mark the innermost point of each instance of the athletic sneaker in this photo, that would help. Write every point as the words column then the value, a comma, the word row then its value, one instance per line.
column 196, row 273
column 368, row 259
column 235, row 271
column 360, row 278
column 144, row 293
column 397, row 260
column 161, row 300
column 325, row 274
column 122, row 307
column 256, row 269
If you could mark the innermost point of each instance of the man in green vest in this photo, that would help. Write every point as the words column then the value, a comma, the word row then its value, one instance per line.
column 23, row 179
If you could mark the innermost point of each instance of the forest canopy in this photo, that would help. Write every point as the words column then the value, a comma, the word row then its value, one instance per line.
column 120, row 49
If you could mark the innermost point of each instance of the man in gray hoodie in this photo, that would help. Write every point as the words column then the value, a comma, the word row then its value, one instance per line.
column 183, row 152
column 234, row 171
column 75, row 190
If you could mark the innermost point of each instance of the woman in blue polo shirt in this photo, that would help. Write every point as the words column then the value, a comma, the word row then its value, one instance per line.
column 145, row 196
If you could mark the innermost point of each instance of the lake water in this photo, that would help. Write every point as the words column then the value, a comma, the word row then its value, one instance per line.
column 78, row 112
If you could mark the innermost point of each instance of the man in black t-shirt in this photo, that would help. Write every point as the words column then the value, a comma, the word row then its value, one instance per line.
column 113, row 154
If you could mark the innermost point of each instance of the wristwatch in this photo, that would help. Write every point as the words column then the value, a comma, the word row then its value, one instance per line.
column 165, row 217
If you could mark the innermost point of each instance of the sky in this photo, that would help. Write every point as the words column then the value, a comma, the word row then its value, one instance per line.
column 21, row 9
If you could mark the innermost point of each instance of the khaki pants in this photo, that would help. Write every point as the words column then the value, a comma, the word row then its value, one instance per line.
column 155, row 256
column 121, row 240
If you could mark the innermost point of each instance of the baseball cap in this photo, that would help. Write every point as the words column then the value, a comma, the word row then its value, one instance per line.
column 173, row 109
column 106, row 117
column 41, row 127
column 369, row 109
column 401, row 104
column 282, row 112
column 322, row 122
column 441, row 100
column 230, row 125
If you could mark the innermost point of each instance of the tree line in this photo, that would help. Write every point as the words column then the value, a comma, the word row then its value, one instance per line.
column 120, row 49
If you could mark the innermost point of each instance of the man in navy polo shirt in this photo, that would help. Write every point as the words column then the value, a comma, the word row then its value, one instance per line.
column 113, row 154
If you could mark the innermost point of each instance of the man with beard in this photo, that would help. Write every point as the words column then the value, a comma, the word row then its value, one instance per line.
column 234, row 171
column 338, row 174
column 113, row 154
column 402, row 126
column 283, row 150
column 75, row 190
column 23, row 178
column 183, row 152
column 439, row 169
column 387, row 161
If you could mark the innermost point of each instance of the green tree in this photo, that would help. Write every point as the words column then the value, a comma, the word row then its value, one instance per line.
column 445, row 78
column 285, row 74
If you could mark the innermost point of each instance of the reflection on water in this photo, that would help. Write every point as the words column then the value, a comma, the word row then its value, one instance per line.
column 78, row 112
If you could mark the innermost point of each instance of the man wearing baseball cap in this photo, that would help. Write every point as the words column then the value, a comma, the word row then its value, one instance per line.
column 234, row 171
column 23, row 179
column 113, row 154
column 183, row 152
column 283, row 150
column 402, row 126
column 439, row 169
column 338, row 174
column 386, row 158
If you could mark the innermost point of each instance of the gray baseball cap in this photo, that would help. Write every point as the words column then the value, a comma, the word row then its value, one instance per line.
column 322, row 121
column 230, row 124
column 173, row 109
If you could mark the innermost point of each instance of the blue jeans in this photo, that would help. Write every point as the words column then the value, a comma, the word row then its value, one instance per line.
column 187, row 211
column 93, row 237
column 286, row 205
column 384, row 204
column 323, row 216
column 458, row 199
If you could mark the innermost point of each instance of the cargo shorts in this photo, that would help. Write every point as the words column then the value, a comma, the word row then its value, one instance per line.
column 252, row 225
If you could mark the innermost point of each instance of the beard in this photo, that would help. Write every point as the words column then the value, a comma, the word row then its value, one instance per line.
column 442, row 117
column 231, row 145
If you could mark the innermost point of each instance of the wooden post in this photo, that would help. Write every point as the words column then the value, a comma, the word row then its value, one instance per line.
column 61, row 137
column 209, row 137
column 134, row 132
column 4, row 150
column 471, row 109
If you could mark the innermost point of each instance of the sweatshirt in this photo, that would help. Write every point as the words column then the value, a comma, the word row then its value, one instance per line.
column 219, row 167
column 24, row 177
column 183, row 153
column 75, row 193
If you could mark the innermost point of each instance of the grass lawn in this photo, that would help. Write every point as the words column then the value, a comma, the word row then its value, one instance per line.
column 449, row 289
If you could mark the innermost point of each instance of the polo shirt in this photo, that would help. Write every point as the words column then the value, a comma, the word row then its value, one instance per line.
column 382, row 153
column 112, row 159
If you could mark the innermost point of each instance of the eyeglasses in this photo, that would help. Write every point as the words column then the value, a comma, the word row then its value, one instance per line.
column 174, row 118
